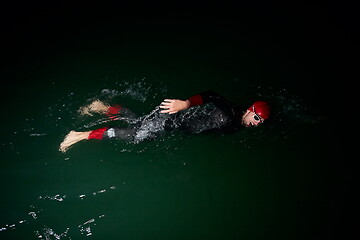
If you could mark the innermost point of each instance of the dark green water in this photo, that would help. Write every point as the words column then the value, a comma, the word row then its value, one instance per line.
column 279, row 181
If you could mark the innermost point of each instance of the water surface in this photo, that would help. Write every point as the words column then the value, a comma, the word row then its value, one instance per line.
column 276, row 181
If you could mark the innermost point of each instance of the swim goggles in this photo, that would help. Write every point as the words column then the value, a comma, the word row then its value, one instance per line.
column 256, row 116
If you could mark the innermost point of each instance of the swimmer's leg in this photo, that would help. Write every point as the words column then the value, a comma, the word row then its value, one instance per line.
column 102, row 133
column 96, row 106
column 100, row 107
column 72, row 138
column 120, row 133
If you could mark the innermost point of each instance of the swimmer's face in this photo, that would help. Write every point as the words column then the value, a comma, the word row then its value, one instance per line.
column 251, row 119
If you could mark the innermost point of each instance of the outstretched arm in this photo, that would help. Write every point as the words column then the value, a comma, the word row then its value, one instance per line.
column 172, row 106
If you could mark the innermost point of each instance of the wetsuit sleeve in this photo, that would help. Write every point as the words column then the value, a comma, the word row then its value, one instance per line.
column 209, row 97
column 195, row 100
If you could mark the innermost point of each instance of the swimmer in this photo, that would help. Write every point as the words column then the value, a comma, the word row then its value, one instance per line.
column 222, row 116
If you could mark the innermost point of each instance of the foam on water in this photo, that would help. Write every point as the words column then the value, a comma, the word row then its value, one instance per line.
column 49, row 234
column 35, row 216
column 287, row 108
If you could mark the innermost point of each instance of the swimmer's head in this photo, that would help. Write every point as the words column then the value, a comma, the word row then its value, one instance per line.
column 256, row 114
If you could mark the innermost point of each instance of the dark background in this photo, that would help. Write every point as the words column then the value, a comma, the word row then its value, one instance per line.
column 315, row 44
column 321, row 38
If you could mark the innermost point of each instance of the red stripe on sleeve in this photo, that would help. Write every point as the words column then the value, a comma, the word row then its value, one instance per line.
column 195, row 100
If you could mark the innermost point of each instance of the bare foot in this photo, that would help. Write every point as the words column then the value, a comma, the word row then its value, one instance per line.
column 72, row 138
column 96, row 106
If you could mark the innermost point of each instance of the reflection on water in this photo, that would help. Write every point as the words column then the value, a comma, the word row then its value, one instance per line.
column 37, row 213
column 48, row 234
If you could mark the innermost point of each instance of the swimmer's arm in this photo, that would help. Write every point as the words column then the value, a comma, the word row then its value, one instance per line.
column 172, row 106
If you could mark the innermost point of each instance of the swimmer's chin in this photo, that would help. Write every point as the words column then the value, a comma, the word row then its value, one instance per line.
column 247, row 125
column 244, row 124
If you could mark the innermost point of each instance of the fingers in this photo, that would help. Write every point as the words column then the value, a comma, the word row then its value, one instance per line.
column 169, row 106
column 165, row 111
column 168, row 102
column 169, row 111
column 163, row 106
column 166, row 105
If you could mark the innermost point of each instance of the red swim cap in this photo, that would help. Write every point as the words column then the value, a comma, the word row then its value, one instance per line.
column 260, row 108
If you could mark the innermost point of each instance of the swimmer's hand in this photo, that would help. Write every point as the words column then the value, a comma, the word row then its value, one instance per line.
column 172, row 106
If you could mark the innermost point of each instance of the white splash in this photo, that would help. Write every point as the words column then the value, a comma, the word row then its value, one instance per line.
column 48, row 233
column 57, row 197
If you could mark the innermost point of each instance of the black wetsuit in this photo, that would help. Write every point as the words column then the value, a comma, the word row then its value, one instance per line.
column 217, row 114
